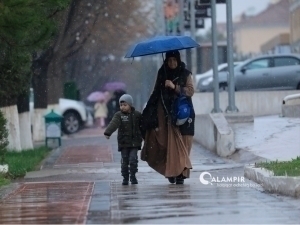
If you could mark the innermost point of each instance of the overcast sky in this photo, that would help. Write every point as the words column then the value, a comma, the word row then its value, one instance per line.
column 238, row 7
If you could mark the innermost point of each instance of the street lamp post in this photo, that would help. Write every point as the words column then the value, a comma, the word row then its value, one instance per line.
column 216, row 108
column 193, row 35
column 231, row 94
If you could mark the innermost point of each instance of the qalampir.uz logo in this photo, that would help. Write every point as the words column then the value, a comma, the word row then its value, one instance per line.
column 225, row 181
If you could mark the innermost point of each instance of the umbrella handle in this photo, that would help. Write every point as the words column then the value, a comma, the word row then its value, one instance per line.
column 162, row 55
column 162, row 99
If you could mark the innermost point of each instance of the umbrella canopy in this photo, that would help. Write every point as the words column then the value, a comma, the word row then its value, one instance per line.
column 161, row 44
column 96, row 96
column 113, row 86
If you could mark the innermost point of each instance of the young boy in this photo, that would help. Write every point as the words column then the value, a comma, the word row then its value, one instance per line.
column 127, row 121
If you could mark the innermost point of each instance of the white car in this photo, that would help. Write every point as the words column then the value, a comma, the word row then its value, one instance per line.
column 221, row 68
column 74, row 113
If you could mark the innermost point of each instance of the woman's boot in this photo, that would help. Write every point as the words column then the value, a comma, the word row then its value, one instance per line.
column 179, row 179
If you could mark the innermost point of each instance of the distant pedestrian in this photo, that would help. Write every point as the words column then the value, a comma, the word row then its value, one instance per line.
column 100, row 113
column 113, row 105
column 127, row 121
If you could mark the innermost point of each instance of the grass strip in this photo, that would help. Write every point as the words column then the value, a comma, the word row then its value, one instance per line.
column 3, row 180
column 284, row 168
column 25, row 161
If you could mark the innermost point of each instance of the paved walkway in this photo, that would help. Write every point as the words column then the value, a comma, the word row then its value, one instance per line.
column 270, row 137
column 80, row 183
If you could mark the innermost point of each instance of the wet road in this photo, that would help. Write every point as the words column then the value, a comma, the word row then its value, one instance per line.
column 91, row 192
column 192, row 203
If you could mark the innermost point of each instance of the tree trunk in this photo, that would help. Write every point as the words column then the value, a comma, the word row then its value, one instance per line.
column 25, row 131
column 12, row 117
column 24, row 121
column 56, row 71
column 39, row 83
column 38, row 127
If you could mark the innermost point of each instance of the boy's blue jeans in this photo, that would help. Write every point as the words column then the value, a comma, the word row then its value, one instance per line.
column 129, row 162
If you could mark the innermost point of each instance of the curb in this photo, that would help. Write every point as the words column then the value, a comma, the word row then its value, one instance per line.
column 284, row 185
column 214, row 133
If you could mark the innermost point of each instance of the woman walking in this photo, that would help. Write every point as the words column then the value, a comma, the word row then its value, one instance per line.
column 167, row 146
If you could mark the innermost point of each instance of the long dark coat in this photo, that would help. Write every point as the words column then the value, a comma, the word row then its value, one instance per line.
column 167, row 146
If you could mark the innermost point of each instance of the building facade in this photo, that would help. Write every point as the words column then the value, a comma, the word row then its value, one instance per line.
column 295, row 25
column 279, row 44
column 250, row 33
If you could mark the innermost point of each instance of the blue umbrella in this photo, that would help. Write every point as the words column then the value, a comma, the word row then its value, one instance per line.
column 161, row 44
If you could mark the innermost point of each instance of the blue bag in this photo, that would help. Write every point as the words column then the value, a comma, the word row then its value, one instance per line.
column 181, row 109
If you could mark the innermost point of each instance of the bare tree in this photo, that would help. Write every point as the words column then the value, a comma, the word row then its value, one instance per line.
column 95, row 37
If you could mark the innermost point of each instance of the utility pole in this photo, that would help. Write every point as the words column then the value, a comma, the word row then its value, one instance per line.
column 231, row 86
column 193, row 36
column 160, row 17
column 160, row 26
column 181, row 26
column 181, row 16
column 216, row 108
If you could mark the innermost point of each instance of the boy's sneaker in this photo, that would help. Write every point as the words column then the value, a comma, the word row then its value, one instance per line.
column 125, row 181
column 133, row 180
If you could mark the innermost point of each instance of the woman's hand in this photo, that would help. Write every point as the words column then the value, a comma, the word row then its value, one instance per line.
column 169, row 83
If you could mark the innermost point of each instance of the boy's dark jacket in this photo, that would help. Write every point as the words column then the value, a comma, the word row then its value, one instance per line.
column 128, row 125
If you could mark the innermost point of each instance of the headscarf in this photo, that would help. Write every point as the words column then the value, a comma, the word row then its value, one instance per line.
column 175, row 54
column 172, row 74
column 166, row 73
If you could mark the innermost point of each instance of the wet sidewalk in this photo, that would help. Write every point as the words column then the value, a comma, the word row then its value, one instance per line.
column 269, row 137
column 80, row 183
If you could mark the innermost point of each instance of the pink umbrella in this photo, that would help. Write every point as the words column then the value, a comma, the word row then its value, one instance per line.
column 113, row 86
column 96, row 96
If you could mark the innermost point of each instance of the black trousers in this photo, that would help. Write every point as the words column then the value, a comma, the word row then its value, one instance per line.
column 129, row 161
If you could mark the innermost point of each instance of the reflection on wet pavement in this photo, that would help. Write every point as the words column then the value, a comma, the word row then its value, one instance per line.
column 101, row 199
column 156, row 201
column 37, row 203
column 85, row 154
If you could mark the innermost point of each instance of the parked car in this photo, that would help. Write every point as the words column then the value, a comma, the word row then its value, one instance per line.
column 222, row 68
column 268, row 72
column 74, row 113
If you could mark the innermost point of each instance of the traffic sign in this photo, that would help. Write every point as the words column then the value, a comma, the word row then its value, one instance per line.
column 199, row 23
column 203, row 11
column 208, row 1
